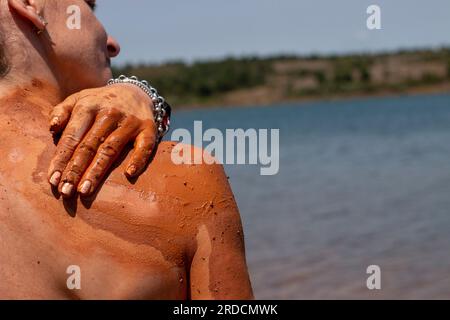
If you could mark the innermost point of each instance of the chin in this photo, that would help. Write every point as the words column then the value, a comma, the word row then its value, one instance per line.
column 107, row 75
column 101, row 78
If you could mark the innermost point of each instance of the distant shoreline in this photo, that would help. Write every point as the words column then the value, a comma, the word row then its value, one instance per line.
column 255, row 81
column 408, row 93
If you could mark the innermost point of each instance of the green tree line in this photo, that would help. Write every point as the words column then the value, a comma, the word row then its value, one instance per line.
column 207, row 81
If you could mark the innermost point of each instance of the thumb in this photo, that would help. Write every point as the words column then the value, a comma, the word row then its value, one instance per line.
column 60, row 114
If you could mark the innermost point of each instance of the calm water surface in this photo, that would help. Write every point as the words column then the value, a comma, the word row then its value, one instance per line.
column 361, row 182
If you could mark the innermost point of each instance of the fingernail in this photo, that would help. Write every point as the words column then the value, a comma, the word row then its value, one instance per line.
column 54, row 122
column 131, row 170
column 85, row 187
column 54, row 180
column 67, row 189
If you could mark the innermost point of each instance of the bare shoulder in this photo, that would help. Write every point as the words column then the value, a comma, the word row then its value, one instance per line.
column 191, row 213
column 181, row 189
column 207, row 198
column 218, row 269
column 200, row 192
column 178, row 197
column 202, row 187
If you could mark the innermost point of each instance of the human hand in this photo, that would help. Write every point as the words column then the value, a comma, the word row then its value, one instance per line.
column 96, row 125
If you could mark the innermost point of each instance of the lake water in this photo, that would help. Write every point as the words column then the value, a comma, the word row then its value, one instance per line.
column 361, row 182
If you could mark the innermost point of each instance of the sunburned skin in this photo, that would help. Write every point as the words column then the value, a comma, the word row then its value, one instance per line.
column 174, row 233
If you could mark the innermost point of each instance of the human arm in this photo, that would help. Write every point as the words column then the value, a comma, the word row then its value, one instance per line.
column 96, row 125
column 218, row 269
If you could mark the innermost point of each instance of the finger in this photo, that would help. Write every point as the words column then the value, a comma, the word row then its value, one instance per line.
column 107, row 154
column 143, row 147
column 79, row 124
column 61, row 114
column 106, row 122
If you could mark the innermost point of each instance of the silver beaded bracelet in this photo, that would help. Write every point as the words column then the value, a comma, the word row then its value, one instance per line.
column 162, row 109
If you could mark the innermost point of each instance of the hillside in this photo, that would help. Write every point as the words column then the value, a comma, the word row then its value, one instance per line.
column 260, row 81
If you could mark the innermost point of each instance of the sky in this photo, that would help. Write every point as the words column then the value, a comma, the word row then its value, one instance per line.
column 155, row 31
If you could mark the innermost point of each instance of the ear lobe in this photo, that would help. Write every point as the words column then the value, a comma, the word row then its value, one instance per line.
column 28, row 10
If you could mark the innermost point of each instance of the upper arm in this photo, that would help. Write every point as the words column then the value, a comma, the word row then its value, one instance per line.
column 218, row 269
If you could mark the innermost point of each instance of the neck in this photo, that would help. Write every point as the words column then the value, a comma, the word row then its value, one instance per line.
column 25, row 110
column 33, row 95
column 30, row 77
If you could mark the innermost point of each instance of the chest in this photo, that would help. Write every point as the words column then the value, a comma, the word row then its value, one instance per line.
column 45, row 253
column 119, row 248
column 39, row 259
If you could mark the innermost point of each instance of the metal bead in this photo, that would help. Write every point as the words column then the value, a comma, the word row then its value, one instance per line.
column 159, row 103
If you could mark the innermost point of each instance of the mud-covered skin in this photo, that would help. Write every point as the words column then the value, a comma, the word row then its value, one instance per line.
column 96, row 125
column 174, row 233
